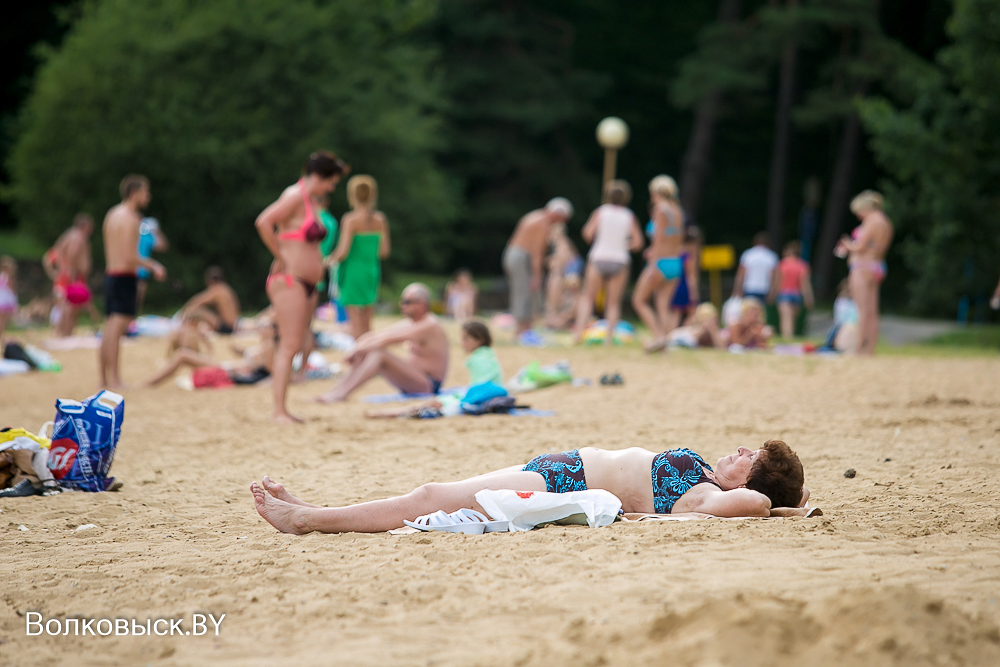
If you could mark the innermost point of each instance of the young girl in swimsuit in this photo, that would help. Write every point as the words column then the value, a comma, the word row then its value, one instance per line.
column 791, row 288
column 681, row 307
column 747, row 483
column 460, row 295
column 292, row 232
column 865, row 250
column 664, row 265
column 614, row 233
column 364, row 243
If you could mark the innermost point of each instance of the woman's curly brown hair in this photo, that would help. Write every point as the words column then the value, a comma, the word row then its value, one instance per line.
column 778, row 474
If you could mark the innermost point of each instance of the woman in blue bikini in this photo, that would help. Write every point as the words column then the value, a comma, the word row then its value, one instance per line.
column 747, row 483
column 664, row 265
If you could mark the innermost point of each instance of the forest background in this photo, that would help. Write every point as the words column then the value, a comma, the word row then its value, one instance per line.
column 771, row 114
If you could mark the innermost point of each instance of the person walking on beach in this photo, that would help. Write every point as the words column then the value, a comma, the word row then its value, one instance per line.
column 613, row 232
column 121, row 252
column 364, row 243
column 68, row 264
column 755, row 274
column 522, row 258
column 664, row 265
column 421, row 372
column 290, row 229
column 865, row 250
column 791, row 288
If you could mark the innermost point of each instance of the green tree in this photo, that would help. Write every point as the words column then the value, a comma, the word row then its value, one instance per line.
column 219, row 103
column 513, row 92
column 939, row 139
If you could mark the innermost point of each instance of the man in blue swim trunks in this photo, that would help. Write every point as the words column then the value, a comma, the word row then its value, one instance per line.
column 420, row 372
column 746, row 483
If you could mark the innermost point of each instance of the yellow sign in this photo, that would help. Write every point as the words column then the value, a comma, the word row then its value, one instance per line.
column 717, row 257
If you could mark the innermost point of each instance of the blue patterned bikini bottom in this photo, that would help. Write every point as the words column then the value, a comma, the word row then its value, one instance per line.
column 563, row 472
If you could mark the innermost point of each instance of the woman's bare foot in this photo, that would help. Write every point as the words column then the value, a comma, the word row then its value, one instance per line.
column 286, row 418
column 286, row 517
column 656, row 345
column 330, row 397
column 277, row 490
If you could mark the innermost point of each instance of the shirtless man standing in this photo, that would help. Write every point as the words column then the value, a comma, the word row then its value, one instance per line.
column 218, row 304
column 68, row 263
column 421, row 372
column 121, row 243
column 522, row 259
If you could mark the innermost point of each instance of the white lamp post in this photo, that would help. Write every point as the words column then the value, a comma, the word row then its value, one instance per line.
column 612, row 135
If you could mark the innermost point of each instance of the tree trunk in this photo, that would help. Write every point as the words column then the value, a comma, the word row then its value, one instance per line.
column 782, row 138
column 836, row 203
column 697, row 157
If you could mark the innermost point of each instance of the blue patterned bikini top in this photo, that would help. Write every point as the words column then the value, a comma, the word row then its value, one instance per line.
column 674, row 472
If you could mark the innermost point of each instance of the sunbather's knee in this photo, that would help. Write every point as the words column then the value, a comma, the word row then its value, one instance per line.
column 428, row 494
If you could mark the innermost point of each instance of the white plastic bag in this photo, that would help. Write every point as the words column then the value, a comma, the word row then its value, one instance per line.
column 527, row 509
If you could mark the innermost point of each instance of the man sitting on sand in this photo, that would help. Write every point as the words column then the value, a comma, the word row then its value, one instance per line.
column 420, row 372
column 747, row 483
column 218, row 304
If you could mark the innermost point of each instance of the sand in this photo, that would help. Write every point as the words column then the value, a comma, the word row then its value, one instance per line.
column 902, row 569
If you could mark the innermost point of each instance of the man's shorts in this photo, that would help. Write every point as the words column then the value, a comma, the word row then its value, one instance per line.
column 120, row 294
column 517, row 266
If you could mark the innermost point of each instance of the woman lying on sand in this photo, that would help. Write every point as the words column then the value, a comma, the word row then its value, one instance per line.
column 747, row 483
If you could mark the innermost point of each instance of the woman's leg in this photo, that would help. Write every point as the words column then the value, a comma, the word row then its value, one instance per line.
column 614, row 289
column 290, row 303
column 874, row 288
column 859, row 282
column 4, row 318
column 355, row 325
column 585, row 304
column 179, row 358
column 649, row 281
column 787, row 313
column 308, row 341
column 664, row 314
column 382, row 515
column 366, row 321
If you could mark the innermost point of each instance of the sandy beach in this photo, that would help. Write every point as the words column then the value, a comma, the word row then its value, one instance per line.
column 903, row 568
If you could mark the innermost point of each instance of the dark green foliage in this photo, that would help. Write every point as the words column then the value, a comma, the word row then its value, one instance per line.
column 941, row 146
column 513, row 94
column 219, row 104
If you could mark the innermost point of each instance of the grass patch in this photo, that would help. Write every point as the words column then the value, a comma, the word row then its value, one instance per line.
column 20, row 245
column 982, row 336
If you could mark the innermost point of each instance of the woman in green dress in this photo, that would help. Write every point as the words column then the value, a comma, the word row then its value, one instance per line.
column 364, row 242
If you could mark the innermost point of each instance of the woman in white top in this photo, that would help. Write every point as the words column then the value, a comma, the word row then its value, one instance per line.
column 614, row 233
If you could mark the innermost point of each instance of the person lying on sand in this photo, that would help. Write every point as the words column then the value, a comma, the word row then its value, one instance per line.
column 421, row 372
column 747, row 483
column 186, row 350
column 188, row 345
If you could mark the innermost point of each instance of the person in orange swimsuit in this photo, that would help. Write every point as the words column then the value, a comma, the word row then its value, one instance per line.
column 292, row 231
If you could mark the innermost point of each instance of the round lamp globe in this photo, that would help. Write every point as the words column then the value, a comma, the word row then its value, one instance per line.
column 612, row 132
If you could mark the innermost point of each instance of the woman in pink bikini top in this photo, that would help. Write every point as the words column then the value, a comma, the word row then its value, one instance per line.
column 291, row 231
column 865, row 251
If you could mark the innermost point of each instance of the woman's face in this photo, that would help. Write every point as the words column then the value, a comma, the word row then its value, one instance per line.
column 732, row 471
column 324, row 186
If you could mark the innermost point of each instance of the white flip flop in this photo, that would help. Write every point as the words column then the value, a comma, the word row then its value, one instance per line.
column 467, row 515
column 465, row 521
